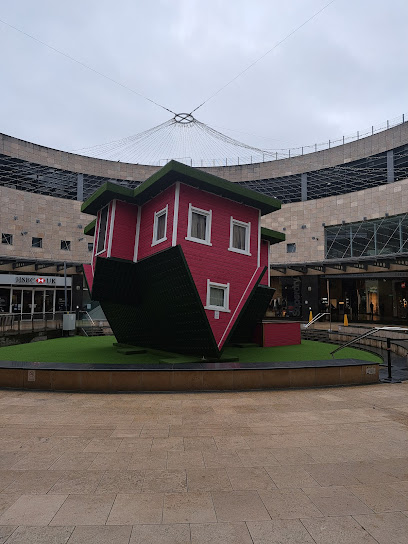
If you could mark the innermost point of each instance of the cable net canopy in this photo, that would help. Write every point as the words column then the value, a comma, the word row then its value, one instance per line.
column 182, row 138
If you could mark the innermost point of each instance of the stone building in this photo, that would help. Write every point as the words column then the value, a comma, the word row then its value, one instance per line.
column 344, row 213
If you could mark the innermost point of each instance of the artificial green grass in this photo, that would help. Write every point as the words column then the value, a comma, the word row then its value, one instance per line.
column 100, row 350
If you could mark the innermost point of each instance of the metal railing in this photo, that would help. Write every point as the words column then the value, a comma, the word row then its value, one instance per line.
column 15, row 324
column 316, row 318
column 369, row 333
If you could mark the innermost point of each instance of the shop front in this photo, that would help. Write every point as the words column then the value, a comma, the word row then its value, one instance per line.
column 34, row 297
column 381, row 297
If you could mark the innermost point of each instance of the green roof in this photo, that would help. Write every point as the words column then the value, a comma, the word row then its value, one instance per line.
column 272, row 236
column 169, row 174
column 89, row 230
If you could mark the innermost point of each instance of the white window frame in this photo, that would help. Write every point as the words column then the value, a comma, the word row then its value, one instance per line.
column 99, row 231
column 226, row 287
column 247, row 227
column 208, row 214
column 164, row 211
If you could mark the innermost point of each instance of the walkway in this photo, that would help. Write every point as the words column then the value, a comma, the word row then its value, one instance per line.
column 300, row 467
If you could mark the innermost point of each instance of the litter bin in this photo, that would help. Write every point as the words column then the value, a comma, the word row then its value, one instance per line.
column 68, row 323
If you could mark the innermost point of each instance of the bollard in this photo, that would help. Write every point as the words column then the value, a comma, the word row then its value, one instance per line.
column 389, row 358
column 345, row 321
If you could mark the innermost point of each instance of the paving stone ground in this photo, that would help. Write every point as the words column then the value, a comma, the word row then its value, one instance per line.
column 323, row 466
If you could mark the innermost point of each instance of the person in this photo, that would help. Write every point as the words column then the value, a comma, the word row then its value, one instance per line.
column 372, row 310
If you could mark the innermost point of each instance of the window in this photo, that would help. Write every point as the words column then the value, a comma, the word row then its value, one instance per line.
column 199, row 225
column 385, row 236
column 36, row 242
column 66, row 245
column 217, row 296
column 290, row 248
column 7, row 239
column 103, row 223
column 240, row 233
column 160, row 226
column 90, row 246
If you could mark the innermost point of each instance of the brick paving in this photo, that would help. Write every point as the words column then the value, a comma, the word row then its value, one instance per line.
column 307, row 466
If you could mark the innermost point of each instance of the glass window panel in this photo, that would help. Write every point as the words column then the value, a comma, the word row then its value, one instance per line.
column 27, row 303
column 338, row 242
column 49, row 300
column 404, row 235
column 291, row 248
column 16, row 301
column 7, row 239
column 4, row 300
column 217, row 296
column 363, row 240
column 36, row 242
column 239, row 237
column 66, row 245
column 102, row 230
column 388, row 236
column 198, row 225
column 161, row 226
column 38, row 301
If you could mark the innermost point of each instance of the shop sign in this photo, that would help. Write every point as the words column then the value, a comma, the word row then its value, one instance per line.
column 34, row 281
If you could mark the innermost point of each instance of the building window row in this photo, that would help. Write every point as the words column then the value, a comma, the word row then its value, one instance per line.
column 37, row 242
column 199, row 229
column 385, row 236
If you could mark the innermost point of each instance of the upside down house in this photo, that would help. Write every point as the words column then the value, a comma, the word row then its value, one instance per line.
column 181, row 263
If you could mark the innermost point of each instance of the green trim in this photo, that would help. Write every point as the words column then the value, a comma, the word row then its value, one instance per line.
column 170, row 173
column 272, row 236
column 89, row 230
column 107, row 192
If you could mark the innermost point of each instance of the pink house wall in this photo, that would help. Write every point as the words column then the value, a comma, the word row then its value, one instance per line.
column 124, row 230
column 216, row 263
column 147, row 221
column 206, row 262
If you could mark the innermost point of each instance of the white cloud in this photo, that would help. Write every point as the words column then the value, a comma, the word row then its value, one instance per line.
column 345, row 70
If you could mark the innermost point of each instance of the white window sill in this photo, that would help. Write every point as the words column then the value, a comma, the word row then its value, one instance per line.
column 235, row 250
column 103, row 251
column 158, row 241
column 217, row 309
column 198, row 241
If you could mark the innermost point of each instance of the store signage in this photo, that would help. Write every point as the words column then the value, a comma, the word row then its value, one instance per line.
column 34, row 281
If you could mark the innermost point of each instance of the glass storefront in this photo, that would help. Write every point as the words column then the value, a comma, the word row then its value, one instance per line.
column 367, row 299
column 33, row 303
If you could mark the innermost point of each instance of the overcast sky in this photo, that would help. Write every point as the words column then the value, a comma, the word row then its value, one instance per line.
column 344, row 71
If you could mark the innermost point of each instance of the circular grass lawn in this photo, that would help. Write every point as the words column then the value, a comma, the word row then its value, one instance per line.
column 100, row 350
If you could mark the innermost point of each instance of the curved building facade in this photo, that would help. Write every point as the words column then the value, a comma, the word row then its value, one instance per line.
column 344, row 213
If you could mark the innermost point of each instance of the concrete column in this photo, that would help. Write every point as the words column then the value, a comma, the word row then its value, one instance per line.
column 80, row 187
column 390, row 166
column 303, row 183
